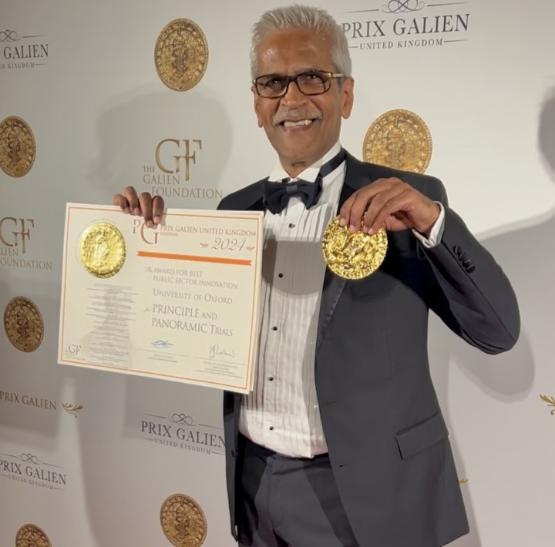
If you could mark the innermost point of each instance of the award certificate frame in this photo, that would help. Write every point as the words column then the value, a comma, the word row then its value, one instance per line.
column 179, row 302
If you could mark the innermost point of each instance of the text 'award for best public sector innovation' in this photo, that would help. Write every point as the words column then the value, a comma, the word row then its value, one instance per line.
column 179, row 302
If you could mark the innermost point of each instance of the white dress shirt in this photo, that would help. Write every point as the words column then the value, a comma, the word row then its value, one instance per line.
column 282, row 411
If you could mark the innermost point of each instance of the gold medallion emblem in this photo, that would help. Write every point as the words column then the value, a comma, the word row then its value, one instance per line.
column 183, row 521
column 353, row 255
column 181, row 54
column 399, row 139
column 30, row 535
column 23, row 324
column 17, row 147
column 102, row 249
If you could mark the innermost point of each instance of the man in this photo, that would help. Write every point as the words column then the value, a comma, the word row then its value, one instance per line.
column 342, row 442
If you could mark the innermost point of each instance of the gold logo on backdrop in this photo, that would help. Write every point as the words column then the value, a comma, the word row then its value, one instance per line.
column 353, row 255
column 102, row 249
column 550, row 402
column 30, row 535
column 399, row 139
column 183, row 521
column 72, row 408
column 17, row 147
column 15, row 232
column 185, row 150
column 181, row 54
column 23, row 324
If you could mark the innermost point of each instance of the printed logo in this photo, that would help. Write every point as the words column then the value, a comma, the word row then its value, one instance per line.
column 29, row 469
column 403, row 24
column 181, row 54
column 181, row 430
column 16, row 234
column 17, row 147
column 30, row 535
column 172, row 173
column 22, row 51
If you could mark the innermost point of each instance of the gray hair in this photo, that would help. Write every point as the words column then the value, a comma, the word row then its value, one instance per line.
column 302, row 17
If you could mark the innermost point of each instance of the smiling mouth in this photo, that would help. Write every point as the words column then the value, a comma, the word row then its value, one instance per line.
column 286, row 124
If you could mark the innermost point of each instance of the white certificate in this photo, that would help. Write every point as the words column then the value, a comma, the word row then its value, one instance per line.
column 180, row 302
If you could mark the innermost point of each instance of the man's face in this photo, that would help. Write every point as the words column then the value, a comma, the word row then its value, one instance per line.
column 301, row 128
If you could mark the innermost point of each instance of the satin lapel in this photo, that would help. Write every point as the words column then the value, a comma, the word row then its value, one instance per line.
column 247, row 199
column 356, row 175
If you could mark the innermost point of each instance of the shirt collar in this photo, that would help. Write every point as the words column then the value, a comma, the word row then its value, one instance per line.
column 310, row 173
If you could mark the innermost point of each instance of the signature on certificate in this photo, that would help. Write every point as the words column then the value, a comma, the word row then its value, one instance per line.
column 218, row 351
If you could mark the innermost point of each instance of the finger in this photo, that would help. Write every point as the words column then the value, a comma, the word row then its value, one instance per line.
column 157, row 209
column 121, row 202
column 398, row 203
column 131, row 195
column 145, row 201
column 363, row 194
column 376, row 205
column 371, row 201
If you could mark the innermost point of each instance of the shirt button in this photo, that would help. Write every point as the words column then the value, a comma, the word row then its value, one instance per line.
column 271, row 428
column 280, row 275
column 291, row 225
column 271, row 379
column 274, row 328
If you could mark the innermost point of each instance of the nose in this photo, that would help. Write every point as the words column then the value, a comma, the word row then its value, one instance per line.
column 293, row 94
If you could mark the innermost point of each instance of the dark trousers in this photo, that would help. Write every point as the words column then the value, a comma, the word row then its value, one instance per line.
column 286, row 501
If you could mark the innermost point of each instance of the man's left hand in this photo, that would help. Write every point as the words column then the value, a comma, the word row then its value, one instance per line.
column 391, row 204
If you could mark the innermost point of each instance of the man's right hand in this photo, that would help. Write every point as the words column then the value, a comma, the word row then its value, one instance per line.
column 151, row 208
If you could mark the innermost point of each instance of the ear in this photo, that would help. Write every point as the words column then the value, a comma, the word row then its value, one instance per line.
column 256, row 101
column 348, row 96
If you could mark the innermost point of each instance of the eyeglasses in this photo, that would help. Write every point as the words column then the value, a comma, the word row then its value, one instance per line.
column 312, row 82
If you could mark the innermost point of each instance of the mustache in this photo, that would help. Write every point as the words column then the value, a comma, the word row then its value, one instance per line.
column 295, row 114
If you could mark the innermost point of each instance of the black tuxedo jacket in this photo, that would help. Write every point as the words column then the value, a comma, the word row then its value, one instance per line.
column 387, row 440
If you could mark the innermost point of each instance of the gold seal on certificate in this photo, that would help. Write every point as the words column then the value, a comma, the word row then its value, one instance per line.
column 183, row 521
column 30, row 535
column 399, row 139
column 23, row 324
column 181, row 54
column 102, row 249
column 353, row 255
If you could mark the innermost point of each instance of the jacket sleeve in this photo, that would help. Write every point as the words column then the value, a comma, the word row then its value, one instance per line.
column 473, row 296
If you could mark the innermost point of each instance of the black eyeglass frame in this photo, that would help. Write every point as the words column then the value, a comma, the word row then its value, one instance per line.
column 328, row 77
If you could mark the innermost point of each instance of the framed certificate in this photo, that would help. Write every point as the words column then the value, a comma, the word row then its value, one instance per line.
column 179, row 302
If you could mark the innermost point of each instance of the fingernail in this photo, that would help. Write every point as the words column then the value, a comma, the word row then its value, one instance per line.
column 365, row 229
column 136, row 211
column 149, row 223
column 353, row 228
column 371, row 231
column 156, row 220
column 342, row 222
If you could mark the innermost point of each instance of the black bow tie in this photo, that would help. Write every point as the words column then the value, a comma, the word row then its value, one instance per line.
column 276, row 194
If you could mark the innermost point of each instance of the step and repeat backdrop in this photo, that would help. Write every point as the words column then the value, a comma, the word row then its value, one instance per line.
column 98, row 95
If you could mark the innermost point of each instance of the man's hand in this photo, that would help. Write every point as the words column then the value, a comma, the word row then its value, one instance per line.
column 149, row 207
column 391, row 204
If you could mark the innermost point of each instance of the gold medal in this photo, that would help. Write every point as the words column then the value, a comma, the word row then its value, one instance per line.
column 183, row 521
column 353, row 255
column 23, row 324
column 30, row 535
column 181, row 54
column 102, row 249
column 17, row 147
column 399, row 139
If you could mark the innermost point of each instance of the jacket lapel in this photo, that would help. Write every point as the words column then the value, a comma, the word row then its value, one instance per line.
column 356, row 176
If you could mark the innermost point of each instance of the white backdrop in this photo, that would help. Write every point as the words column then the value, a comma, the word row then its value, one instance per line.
column 98, row 110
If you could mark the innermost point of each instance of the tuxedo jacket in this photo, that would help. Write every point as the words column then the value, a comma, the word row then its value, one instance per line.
column 387, row 440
